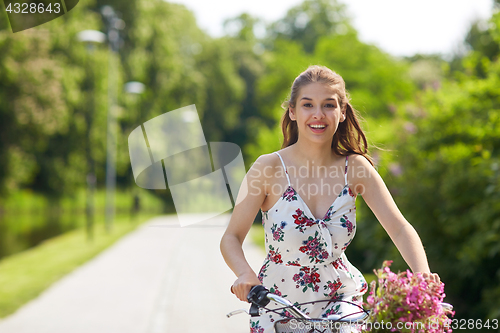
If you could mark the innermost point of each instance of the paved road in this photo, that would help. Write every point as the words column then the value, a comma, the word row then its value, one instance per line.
column 160, row 278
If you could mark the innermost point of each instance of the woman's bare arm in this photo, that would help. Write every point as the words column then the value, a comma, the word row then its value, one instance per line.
column 376, row 195
column 250, row 198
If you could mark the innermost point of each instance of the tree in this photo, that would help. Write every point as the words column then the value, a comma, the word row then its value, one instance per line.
column 39, row 118
column 450, row 184
column 309, row 21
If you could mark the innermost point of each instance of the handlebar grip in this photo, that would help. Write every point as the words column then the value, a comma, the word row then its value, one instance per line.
column 258, row 295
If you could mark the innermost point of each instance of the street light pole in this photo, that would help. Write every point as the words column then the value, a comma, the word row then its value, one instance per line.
column 134, row 88
column 90, row 37
column 114, row 25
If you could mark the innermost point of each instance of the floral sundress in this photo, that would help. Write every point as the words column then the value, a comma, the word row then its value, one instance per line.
column 305, row 256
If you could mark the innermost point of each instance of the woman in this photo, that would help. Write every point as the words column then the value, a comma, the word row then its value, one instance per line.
column 307, row 192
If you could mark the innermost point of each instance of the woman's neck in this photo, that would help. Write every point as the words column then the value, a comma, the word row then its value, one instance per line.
column 308, row 153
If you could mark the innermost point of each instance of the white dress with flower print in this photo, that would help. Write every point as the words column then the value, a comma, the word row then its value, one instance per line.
column 305, row 256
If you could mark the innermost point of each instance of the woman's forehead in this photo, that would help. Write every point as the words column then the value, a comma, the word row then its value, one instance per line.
column 318, row 90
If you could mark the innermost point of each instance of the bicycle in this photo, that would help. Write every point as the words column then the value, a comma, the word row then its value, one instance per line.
column 298, row 322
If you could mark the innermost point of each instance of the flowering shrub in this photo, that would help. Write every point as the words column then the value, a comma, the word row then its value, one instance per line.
column 405, row 302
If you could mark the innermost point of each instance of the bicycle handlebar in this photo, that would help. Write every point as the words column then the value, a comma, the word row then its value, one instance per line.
column 293, row 310
column 259, row 296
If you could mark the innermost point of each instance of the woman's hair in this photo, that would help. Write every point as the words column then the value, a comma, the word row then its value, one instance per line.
column 349, row 137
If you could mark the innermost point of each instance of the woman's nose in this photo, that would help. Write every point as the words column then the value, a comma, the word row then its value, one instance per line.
column 318, row 112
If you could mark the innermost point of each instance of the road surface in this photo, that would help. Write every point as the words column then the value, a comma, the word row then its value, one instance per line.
column 161, row 278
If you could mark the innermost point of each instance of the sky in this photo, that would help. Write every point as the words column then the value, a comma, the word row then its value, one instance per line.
column 399, row 27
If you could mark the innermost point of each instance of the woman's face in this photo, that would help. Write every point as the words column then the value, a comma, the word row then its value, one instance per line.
column 317, row 112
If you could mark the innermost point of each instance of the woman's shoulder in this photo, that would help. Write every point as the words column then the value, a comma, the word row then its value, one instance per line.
column 360, row 169
column 271, row 159
column 359, row 160
column 264, row 163
column 266, row 160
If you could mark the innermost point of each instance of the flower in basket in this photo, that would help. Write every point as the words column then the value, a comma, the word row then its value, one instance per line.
column 405, row 302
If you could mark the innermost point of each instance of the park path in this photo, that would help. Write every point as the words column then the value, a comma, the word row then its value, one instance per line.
column 160, row 278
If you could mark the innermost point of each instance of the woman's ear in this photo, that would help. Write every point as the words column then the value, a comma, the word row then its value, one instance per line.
column 291, row 113
column 343, row 112
column 342, row 116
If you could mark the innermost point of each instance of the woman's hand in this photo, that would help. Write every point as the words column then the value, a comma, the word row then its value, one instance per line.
column 432, row 277
column 241, row 287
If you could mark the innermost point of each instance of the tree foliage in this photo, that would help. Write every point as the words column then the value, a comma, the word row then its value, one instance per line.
column 44, row 101
column 437, row 120
column 447, row 183
column 307, row 22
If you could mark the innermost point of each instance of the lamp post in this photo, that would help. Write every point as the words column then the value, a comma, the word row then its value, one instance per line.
column 90, row 38
column 113, row 25
column 135, row 88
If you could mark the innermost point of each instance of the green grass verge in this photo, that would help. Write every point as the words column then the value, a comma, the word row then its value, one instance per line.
column 25, row 275
column 27, row 201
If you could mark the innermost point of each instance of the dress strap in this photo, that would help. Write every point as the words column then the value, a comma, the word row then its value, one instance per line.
column 345, row 172
column 284, row 167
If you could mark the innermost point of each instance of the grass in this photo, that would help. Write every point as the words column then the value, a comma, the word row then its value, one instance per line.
column 27, row 201
column 27, row 217
column 25, row 275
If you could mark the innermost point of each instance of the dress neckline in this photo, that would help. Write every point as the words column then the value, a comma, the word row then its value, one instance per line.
column 281, row 198
column 298, row 195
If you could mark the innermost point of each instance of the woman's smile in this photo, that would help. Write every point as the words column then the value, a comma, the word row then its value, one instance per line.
column 317, row 127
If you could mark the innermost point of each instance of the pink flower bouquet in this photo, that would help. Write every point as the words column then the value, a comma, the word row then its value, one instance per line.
column 405, row 302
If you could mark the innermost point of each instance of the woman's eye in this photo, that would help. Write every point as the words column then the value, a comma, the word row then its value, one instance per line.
column 307, row 105
column 330, row 106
